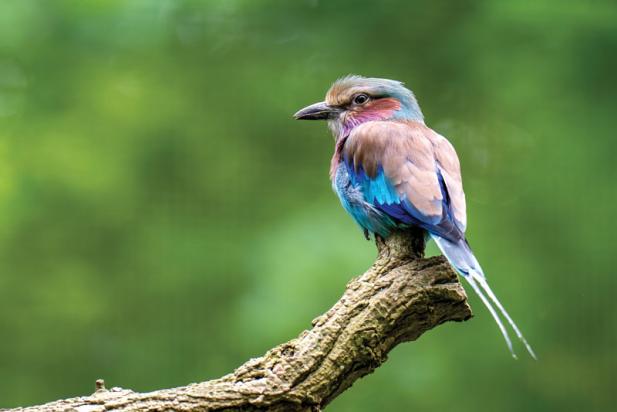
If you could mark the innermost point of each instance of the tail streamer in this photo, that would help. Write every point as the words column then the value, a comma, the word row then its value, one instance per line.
column 461, row 257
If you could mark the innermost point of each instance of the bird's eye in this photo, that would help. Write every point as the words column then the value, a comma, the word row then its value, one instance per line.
column 360, row 99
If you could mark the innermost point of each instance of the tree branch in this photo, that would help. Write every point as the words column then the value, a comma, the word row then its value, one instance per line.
column 401, row 296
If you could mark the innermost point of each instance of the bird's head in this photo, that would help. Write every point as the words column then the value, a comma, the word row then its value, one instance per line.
column 354, row 100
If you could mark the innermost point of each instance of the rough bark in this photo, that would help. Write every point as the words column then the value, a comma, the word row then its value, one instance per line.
column 401, row 296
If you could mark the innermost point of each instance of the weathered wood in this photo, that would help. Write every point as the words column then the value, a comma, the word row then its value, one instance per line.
column 401, row 296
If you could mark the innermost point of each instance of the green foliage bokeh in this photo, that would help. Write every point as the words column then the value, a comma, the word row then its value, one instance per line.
column 163, row 219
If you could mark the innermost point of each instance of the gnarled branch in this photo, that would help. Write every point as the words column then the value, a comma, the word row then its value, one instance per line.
column 401, row 296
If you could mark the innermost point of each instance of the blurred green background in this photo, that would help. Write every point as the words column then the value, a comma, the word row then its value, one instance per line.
column 163, row 219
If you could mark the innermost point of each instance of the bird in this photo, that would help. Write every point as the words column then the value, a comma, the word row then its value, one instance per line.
column 391, row 172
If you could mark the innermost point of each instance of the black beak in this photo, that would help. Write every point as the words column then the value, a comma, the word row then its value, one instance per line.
column 317, row 111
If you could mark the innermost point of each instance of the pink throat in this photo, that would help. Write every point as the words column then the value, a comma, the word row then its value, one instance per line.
column 380, row 109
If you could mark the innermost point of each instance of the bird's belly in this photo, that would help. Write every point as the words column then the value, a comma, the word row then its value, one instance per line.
column 353, row 200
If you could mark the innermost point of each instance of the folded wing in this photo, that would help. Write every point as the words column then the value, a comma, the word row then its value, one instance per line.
column 410, row 173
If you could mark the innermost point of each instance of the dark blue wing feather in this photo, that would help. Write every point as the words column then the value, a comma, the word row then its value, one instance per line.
column 380, row 193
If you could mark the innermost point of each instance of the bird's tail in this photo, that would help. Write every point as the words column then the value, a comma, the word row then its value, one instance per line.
column 461, row 257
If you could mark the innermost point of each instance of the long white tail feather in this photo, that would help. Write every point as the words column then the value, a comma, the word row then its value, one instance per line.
column 464, row 262
column 489, row 292
column 502, row 328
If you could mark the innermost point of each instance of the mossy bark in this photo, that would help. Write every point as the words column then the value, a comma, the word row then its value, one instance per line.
column 401, row 296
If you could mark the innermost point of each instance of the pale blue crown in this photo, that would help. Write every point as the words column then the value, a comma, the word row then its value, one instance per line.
column 410, row 110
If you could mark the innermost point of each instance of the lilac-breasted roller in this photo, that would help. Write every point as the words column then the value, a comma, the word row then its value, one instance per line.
column 390, row 171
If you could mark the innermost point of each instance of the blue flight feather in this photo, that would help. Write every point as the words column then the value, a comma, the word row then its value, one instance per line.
column 379, row 194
